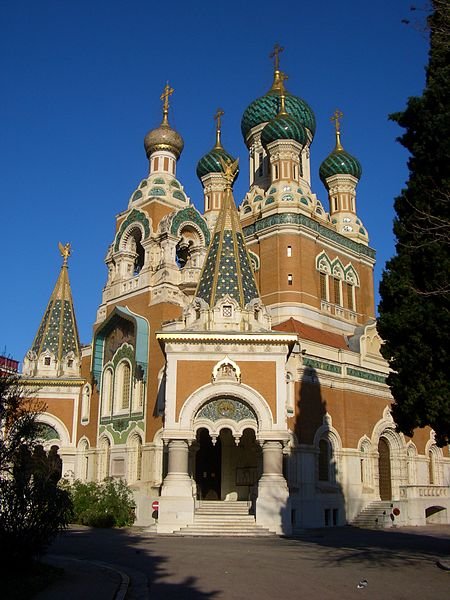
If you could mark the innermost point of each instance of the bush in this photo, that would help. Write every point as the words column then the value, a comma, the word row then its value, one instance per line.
column 106, row 504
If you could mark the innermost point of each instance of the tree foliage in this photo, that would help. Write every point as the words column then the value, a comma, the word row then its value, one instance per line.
column 106, row 504
column 415, row 288
column 32, row 506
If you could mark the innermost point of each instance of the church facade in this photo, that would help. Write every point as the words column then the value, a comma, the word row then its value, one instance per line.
column 235, row 358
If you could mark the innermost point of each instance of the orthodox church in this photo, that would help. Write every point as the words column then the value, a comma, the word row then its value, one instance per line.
column 234, row 373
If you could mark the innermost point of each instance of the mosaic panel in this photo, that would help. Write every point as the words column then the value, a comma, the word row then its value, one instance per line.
column 226, row 408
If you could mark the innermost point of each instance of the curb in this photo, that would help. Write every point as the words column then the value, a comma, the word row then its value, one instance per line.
column 124, row 584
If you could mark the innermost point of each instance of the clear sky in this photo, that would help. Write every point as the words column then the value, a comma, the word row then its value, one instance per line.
column 81, row 86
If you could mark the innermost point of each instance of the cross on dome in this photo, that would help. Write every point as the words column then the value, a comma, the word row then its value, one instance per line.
column 168, row 91
column 336, row 118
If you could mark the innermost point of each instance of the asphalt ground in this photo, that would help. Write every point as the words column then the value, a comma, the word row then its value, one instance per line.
column 342, row 563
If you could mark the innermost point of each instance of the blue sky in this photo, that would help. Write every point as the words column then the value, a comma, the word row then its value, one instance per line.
column 82, row 82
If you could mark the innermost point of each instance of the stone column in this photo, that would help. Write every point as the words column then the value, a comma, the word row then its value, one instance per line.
column 176, row 505
column 272, row 505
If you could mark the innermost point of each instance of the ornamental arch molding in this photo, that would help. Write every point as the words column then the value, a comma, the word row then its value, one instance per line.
column 48, row 419
column 210, row 392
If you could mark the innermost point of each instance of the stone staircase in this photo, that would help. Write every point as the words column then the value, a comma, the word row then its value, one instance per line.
column 374, row 516
column 220, row 518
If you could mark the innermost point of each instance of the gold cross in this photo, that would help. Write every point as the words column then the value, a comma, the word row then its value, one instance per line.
column 337, row 116
column 277, row 49
column 168, row 91
column 219, row 113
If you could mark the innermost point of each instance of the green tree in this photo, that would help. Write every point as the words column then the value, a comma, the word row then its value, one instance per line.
column 32, row 506
column 415, row 288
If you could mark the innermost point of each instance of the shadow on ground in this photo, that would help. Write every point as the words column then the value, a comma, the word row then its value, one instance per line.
column 136, row 554
column 391, row 547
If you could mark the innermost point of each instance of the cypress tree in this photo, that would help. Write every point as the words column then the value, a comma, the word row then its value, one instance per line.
column 415, row 287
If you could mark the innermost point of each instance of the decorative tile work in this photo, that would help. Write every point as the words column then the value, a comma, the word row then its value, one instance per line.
column 280, row 219
column 226, row 408
column 159, row 181
column 136, row 196
column 156, row 191
column 363, row 374
column 210, row 163
column 174, row 183
column 189, row 214
column 134, row 216
column 179, row 196
column 58, row 331
column 322, row 365
column 264, row 109
column 284, row 127
column 120, row 427
column 340, row 162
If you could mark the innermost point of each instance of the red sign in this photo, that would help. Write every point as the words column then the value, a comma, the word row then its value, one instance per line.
column 155, row 505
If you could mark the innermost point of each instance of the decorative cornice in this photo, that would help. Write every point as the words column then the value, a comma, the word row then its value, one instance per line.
column 235, row 338
column 53, row 382
column 299, row 219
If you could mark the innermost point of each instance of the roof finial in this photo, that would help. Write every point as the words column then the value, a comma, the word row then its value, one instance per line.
column 337, row 116
column 168, row 91
column 230, row 169
column 217, row 118
column 65, row 252
column 282, row 110
column 275, row 54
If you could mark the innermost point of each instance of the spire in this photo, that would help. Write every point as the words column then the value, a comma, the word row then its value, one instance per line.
column 337, row 116
column 227, row 269
column 58, row 331
column 217, row 118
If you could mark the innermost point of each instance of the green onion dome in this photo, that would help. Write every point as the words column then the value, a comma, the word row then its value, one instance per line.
column 339, row 162
column 284, row 127
column 210, row 163
column 265, row 108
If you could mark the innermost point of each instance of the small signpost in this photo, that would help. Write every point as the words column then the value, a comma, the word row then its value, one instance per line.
column 155, row 508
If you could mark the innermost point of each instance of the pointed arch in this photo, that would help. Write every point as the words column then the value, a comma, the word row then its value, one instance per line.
column 323, row 263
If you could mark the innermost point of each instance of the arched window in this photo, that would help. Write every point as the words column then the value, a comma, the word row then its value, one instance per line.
column 85, row 404
column 103, row 458
column 83, row 460
column 325, row 453
column 135, row 459
column 107, row 391
column 123, row 386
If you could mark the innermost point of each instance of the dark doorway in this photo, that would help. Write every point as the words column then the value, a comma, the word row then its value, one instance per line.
column 208, row 471
column 384, row 469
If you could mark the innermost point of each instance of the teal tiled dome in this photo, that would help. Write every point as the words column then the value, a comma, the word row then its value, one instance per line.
column 264, row 109
column 210, row 163
column 339, row 162
column 283, row 127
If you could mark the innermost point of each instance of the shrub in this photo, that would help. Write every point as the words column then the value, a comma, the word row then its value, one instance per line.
column 106, row 504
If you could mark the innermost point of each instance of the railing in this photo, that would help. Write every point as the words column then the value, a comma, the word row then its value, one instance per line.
column 339, row 311
column 424, row 491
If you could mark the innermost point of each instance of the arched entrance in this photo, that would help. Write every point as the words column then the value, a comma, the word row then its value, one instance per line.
column 225, row 469
column 384, row 469
column 227, row 461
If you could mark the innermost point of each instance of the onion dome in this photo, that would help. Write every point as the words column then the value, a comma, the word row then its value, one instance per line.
column 266, row 107
column 284, row 127
column 339, row 162
column 164, row 137
column 211, row 162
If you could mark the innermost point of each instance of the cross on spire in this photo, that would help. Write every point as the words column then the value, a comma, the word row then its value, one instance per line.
column 65, row 252
column 168, row 91
column 336, row 118
column 275, row 54
column 283, row 77
column 218, row 120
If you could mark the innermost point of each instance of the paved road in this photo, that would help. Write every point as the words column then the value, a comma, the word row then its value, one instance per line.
column 322, row 564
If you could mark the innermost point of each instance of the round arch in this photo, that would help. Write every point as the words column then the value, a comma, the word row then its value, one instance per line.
column 229, row 389
column 48, row 419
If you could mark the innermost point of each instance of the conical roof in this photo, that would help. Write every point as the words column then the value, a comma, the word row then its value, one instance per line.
column 227, row 270
column 58, row 331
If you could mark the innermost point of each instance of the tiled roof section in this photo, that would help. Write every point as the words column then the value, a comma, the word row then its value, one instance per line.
column 227, row 269
column 58, row 331
column 313, row 334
